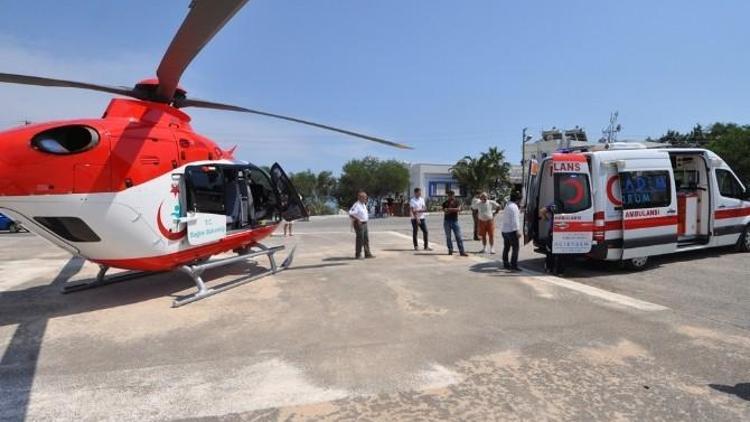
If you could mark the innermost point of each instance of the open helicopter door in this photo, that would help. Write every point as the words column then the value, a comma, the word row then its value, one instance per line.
column 574, row 215
column 290, row 203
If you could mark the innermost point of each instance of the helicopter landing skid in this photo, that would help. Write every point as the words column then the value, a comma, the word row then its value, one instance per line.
column 196, row 270
column 102, row 280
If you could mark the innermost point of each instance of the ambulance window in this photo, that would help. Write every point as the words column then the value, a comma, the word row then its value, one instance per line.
column 573, row 193
column 645, row 189
column 729, row 187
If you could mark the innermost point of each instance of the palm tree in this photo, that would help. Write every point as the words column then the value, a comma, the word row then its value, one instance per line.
column 488, row 172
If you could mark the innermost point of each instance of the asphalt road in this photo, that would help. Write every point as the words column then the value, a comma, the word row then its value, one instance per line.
column 405, row 336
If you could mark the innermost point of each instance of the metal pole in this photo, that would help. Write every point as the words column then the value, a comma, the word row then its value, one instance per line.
column 523, row 167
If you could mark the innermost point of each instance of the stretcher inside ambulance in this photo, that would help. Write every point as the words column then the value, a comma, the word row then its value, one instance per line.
column 623, row 202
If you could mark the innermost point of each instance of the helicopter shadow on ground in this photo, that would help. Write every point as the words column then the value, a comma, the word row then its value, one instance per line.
column 19, row 359
column 32, row 308
column 741, row 390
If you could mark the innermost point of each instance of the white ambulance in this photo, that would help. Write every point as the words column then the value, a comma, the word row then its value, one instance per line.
column 625, row 202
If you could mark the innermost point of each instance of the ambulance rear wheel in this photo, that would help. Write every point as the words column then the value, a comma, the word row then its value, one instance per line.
column 637, row 264
column 744, row 243
column 14, row 228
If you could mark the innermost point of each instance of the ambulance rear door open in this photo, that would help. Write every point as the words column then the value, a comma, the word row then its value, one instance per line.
column 574, row 211
column 649, row 206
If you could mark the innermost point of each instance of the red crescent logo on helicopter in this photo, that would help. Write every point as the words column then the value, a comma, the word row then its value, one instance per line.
column 165, row 231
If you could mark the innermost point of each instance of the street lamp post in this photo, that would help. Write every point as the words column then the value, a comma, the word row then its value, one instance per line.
column 524, row 140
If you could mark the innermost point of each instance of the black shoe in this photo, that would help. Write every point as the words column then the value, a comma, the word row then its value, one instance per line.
column 416, row 248
column 369, row 256
column 506, row 266
column 427, row 248
column 450, row 252
column 464, row 254
column 516, row 269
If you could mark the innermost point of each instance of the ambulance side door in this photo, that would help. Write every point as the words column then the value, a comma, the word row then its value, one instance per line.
column 649, row 206
column 732, row 210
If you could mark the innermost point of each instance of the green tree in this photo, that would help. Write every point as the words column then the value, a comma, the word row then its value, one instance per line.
column 730, row 140
column 316, row 190
column 732, row 143
column 489, row 172
column 697, row 137
column 370, row 174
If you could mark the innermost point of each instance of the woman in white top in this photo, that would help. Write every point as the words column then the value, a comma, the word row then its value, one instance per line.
column 487, row 210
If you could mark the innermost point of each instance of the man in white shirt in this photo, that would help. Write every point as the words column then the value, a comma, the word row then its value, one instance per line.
column 486, row 209
column 359, row 216
column 418, row 210
column 511, row 229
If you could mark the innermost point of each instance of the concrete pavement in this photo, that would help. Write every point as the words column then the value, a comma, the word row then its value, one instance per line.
column 406, row 336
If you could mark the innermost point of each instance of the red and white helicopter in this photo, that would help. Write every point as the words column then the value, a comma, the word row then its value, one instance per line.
column 138, row 189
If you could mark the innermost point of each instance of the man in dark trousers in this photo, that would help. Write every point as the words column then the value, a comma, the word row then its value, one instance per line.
column 510, row 227
column 451, row 208
column 359, row 215
column 554, row 263
column 418, row 208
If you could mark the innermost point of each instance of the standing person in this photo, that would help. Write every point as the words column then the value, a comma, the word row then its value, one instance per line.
column 475, row 214
column 451, row 208
column 553, row 262
column 288, row 227
column 511, row 230
column 486, row 209
column 359, row 215
column 418, row 209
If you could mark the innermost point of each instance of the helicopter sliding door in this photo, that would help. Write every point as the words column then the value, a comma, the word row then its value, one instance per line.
column 290, row 203
column 242, row 194
column 245, row 194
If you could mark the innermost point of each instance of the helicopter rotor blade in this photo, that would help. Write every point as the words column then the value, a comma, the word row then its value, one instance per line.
column 61, row 83
column 190, row 102
column 205, row 19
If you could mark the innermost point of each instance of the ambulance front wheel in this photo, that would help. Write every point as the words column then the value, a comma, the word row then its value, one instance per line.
column 637, row 264
column 744, row 243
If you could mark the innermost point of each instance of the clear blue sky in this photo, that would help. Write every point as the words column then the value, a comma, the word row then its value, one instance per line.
column 448, row 77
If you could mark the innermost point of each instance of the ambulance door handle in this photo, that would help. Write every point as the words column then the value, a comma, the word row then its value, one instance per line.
column 722, row 206
column 671, row 211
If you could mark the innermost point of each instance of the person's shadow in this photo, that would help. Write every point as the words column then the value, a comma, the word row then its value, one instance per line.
column 741, row 390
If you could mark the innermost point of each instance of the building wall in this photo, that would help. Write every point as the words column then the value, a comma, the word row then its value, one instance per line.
column 433, row 179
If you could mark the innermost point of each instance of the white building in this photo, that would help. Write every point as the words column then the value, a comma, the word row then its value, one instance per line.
column 434, row 180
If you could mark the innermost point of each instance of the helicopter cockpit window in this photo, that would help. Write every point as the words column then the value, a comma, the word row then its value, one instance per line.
column 65, row 140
